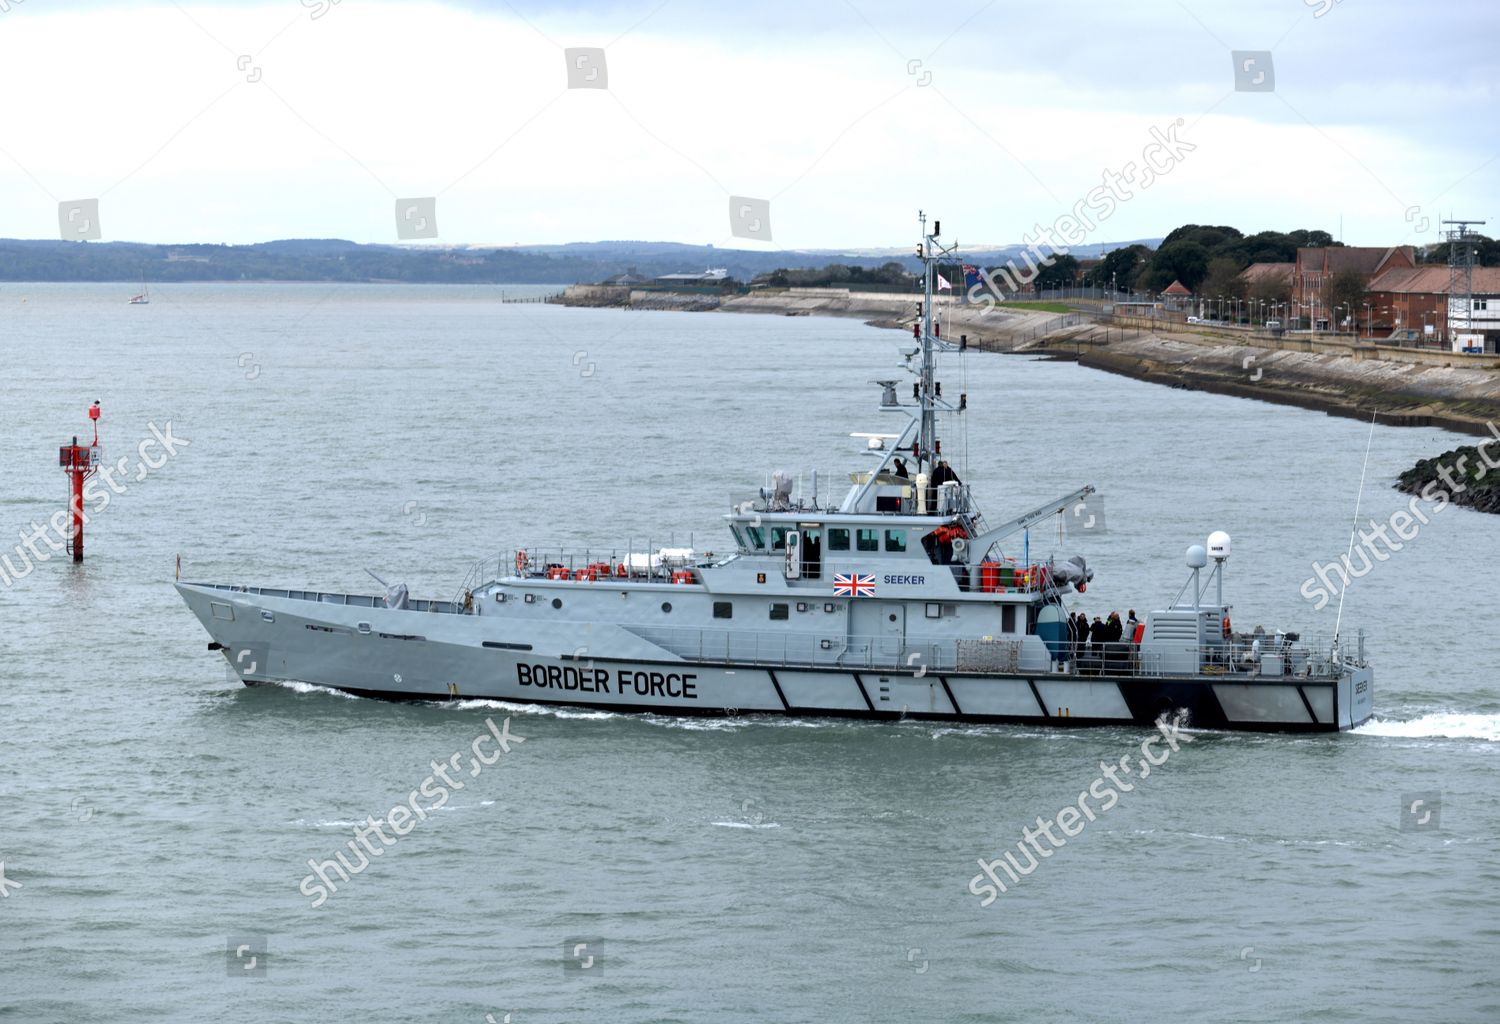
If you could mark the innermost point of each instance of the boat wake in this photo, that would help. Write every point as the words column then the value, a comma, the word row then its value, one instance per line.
column 297, row 687
column 1440, row 725
column 549, row 710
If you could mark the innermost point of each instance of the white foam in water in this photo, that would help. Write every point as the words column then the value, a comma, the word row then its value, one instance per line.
column 527, row 709
column 297, row 687
column 1443, row 725
column 745, row 824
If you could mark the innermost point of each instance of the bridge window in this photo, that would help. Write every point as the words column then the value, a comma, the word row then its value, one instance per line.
column 895, row 540
column 739, row 541
column 867, row 540
column 778, row 538
column 780, row 611
column 838, row 539
column 757, row 536
column 723, row 609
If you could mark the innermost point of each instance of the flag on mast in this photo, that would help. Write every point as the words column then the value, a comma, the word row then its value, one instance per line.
column 943, row 284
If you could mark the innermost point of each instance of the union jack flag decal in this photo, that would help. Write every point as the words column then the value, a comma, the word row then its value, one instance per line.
column 853, row 585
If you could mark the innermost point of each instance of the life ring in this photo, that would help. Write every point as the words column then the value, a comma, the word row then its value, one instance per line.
column 521, row 561
column 1227, row 629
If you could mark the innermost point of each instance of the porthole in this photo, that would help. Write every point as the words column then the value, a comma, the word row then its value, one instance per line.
column 893, row 615
column 666, row 606
column 557, row 603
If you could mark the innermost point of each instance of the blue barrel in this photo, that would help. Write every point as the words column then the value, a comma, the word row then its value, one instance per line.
column 1052, row 627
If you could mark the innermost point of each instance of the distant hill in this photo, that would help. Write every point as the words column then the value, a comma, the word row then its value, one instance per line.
column 334, row 259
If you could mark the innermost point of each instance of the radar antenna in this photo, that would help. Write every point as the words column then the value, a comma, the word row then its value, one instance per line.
column 929, row 392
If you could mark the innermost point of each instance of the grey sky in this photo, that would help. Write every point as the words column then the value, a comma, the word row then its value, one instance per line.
column 845, row 116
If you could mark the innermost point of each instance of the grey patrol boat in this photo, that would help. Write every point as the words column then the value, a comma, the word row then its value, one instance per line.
column 898, row 601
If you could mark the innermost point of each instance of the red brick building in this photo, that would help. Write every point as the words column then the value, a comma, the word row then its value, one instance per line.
column 1316, row 266
column 1415, row 298
column 1267, row 277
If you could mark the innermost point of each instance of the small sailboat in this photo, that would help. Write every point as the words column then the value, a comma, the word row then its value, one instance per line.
column 143, row 298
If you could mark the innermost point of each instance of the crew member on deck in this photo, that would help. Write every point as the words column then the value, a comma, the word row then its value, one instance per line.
column 898, row 467
column 942, row 473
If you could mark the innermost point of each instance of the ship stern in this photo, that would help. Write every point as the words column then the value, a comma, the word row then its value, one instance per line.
column 1356, row 696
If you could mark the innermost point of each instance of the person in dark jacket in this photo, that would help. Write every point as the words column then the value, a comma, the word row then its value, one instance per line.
column 942, row 473
column 1116, row 629
column 1098, row 635
column 898, row 467
column 1080, row 634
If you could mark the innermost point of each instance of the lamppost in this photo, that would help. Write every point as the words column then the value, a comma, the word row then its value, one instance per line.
column 1367, row 321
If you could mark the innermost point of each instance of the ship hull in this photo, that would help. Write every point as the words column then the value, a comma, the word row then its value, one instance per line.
column 393, row 654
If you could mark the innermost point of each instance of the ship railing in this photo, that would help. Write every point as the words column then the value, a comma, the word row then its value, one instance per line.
column 413, row 604
column 1243, row 656
column 956, row 500
column 654, row 562
column 1240, row 658
column 1006, row 576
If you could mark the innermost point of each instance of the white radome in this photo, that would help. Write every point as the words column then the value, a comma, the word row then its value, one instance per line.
column 1219, row 545
column 1197, row 557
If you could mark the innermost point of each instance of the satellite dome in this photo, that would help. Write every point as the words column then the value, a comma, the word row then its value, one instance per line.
column 1218, row 545
column 1197, row 557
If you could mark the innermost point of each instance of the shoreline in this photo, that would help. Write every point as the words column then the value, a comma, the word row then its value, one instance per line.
column 1338, row 376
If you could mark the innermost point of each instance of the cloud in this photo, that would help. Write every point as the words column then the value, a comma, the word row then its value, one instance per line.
column 1011, row 115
